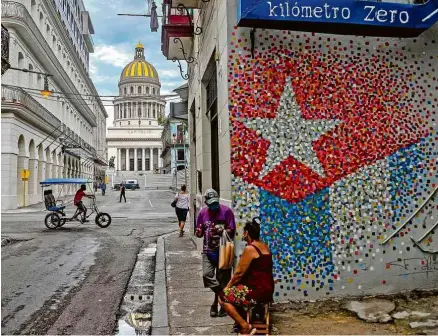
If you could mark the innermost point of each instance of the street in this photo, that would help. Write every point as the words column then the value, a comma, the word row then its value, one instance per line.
column 72, row 280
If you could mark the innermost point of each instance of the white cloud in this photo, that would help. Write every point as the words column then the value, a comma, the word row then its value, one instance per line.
column 111, row 54
column 104, row 79
column 168, row 72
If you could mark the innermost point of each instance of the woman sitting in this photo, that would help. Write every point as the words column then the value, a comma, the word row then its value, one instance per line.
column 252, row 281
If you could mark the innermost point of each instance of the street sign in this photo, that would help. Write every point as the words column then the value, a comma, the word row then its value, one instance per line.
column 25, row 174
column 346, row 17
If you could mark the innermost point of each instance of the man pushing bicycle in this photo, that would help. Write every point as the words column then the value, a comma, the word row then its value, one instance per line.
column 78, row 202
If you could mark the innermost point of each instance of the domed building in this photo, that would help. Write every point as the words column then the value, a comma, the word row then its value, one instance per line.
column 135, row 138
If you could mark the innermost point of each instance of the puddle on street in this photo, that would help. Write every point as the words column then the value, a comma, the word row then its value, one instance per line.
column 135, row 324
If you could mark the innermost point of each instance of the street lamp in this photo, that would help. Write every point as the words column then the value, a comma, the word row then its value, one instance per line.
column 45, row 92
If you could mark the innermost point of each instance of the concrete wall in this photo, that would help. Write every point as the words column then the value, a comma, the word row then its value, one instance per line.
column 333, row 144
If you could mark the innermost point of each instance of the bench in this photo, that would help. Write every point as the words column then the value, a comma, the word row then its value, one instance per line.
column 51, row 203
column 258, row 317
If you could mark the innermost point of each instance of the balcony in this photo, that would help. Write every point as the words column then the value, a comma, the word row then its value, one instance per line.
column 20, row 102
column 177, row 32
column 5, row 50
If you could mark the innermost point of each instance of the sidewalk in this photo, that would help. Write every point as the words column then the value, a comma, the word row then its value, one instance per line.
column 188, row 301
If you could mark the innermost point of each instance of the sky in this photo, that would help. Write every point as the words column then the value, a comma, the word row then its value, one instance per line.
column 115, row 38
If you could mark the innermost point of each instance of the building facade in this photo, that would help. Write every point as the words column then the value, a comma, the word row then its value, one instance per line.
column 330, row 139
column 135, row 138
column 62, row 135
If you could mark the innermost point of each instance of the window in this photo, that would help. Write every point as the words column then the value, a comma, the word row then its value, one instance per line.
column 129, row 123
column 147, row 90
column 124, row 90
column 180, row 155
column 131, row 90
column 139, row 112
column 153, row 91
column 30, row 76
column 139, row 90
column 150, row 122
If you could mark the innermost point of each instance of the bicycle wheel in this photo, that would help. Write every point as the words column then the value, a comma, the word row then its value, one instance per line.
column 103, row 220
column 52, row 221
column 62, row 222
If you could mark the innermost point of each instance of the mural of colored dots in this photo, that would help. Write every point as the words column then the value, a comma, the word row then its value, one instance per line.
column 333, row 145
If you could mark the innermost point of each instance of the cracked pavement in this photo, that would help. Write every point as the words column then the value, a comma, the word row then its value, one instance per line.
column 72, row 280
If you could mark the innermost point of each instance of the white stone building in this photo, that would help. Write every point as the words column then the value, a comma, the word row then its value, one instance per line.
column 59, row 136
column 135, row 139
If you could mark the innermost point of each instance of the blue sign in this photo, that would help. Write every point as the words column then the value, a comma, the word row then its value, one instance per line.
column 346, row 17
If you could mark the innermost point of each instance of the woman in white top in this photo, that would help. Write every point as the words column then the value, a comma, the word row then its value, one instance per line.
column 182, row 207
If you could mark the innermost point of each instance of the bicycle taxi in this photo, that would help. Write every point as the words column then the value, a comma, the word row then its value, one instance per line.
column 57, row 216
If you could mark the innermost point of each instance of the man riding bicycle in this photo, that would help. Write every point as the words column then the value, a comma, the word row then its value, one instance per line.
column 78, row 202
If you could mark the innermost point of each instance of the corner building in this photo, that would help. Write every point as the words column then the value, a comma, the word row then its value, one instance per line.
column 62, row 135
column 135, row 138
column 330, row 139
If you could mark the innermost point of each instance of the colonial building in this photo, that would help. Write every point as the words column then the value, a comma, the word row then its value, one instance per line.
column 322, row 121
column 135, row 138
column 62, row 135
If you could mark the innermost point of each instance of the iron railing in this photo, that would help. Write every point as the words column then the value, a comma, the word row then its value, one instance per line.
column 18, row 97
column 5, row 50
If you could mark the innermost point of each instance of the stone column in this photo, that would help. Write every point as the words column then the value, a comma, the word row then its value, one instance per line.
column 143, row 159
column 135, row 160
column 119, row 159
column 151, row 159
column 160, row 160
column 127, row 159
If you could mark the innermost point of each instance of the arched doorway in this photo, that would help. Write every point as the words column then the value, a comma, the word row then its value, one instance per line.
column 33, row 178
column 21, row 164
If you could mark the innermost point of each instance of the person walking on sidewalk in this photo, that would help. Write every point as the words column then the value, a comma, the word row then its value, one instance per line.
column 122, row 192
column 182, row 207
column 210, row 224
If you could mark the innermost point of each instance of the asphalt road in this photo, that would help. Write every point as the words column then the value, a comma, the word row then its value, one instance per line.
column 72, row 280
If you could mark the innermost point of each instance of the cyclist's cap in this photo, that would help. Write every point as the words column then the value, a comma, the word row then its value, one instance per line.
column 211, row 196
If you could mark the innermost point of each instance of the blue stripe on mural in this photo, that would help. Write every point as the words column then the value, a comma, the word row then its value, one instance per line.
column 299, row 238
column 408, row 181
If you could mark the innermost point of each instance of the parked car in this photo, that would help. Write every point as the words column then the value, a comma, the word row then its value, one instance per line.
column 117, row 186
column 131, row 184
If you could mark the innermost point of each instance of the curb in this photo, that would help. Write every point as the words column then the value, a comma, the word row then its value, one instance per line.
column 160, row 319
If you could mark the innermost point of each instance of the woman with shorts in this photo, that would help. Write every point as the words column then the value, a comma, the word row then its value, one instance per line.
column 182, row 207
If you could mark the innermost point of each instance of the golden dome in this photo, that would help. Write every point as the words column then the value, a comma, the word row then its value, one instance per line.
column 139, row 67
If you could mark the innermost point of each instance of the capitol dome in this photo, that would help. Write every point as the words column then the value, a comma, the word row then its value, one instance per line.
column 139, row 68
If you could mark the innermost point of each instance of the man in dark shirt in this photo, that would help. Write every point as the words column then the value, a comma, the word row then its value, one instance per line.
column 122, row 192
column 210, row 224
column 78, row 202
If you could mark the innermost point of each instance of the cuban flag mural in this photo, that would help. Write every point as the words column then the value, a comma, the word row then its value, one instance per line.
column 334, row 145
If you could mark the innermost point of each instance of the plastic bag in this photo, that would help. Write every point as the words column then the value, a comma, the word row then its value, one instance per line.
column 226, row 252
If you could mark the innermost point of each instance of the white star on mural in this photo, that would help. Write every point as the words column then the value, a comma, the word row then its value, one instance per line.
column 290, row 134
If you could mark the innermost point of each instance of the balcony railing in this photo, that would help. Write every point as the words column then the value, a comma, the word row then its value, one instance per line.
column 176, row 16
column 5, row 50
column 20, row 98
